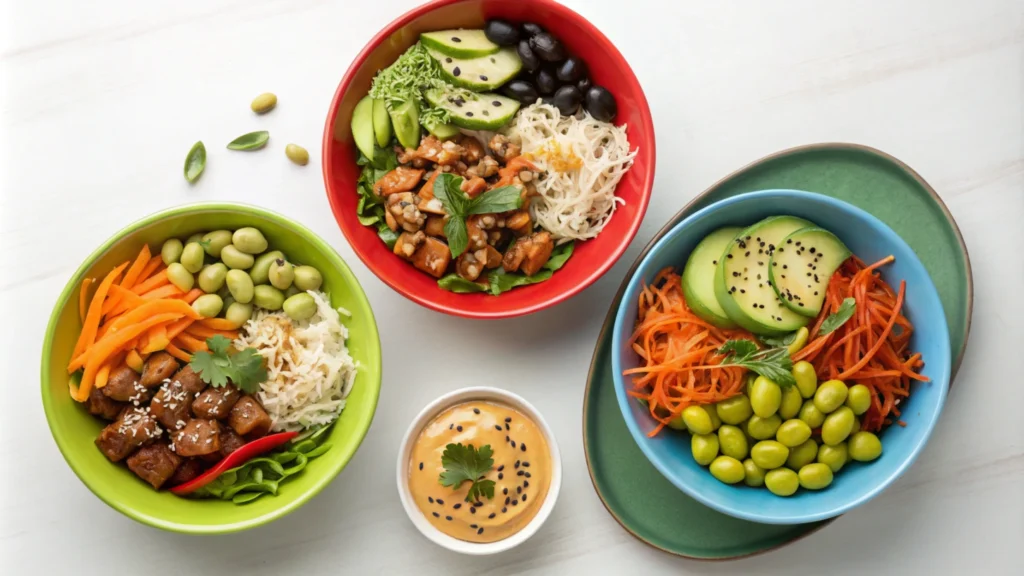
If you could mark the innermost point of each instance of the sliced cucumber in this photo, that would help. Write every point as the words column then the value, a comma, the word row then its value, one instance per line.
column 406, row 120
column 802, row 266
column 699, row 277
column 381, row 123
column 485, row 111
column 460, row 43
column 362, row 126
column 480, row 74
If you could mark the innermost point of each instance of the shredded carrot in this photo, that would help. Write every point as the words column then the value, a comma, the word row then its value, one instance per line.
column 155, row 281
column 92, row 319
column 132, row 275
column 190, row 343
column 83, row 297
column 178, row 353
column 201, row 331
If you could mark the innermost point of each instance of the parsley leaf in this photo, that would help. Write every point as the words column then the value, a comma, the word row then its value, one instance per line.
column 773, row 341
column 837, row 319
column 448, row 191
column 219, row 366
column 773, row 363
column 462, row 463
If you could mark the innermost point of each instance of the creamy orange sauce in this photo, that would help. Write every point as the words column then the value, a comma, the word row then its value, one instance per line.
column 557, row 159
column 521, row 471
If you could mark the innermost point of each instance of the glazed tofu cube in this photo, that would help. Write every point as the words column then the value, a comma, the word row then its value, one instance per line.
column 249, row 419
column 216, row 403
column 123, row 385
column 433, row 257
column 102, row 406
column 189, row 379
column 171, row 405
column 190, row 468
column 198, row 438
column 155, row 464
column 159, row 367
column 132, row 429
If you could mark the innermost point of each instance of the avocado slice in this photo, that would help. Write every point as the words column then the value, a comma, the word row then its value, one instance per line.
column 479, row 74
column 802, row 266
column 362, row 126
column 487, row 111
column 741, row 279
column 443, row 131
column 381, row 123
column 699, row 277
column 460, row 43
column 406, row 120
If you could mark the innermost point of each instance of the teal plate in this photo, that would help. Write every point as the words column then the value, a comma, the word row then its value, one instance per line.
column 659, row 514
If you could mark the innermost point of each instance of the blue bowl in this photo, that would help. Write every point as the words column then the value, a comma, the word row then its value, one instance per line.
column 856, row 483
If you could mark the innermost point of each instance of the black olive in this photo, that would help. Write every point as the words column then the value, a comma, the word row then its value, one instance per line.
column 570, row 70
column 521, row 90
column 567, row 100
column 545, row 81
column 550, row 101
column 583, row 84
column 601, row 104
column 547, row 47
column 501, row 33
column 530, row 60
column 530, row 29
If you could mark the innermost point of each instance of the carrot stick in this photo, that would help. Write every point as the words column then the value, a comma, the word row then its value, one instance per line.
column 121, row 300
column 151, row 267
column 218, row 323
column 164, row 292
column 155, row 281
column 199, row 331
column 104, row 373
column 156, row 339
column 83, row 297
column 178, row 353
column 136, row 268
column 178, row 327
column 134, row 360
column 92, row 318
column 136, row 316
column 191, row 295
column 881, row 340
column 190, row 343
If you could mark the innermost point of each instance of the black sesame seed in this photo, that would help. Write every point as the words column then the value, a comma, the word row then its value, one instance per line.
column 742, row 291
column 500, row 468
column 430, row 499
column 498, row 428
column 491, row 515
column 456, row 39
column 508, row 418
column 519, row 489
column 504, row 491
column 457, row 506
column 496, row 102
column 526, row 464
column 507, row 500
column 436, row 515
column 526, row 483
column 506, row 438
column 441, row 502
column 527, row 474
column 812, row 249
column 469, row 114
column 501, row 476
column 448, row 518
column 748, row 253
column 450, row 426
column 522, row 447
column 486, row 113
column 421, row 465
column 480, row 531
column 456, row 72
column 476, row 410
column 448, row 60
column 506, row 426
column 503, row 509
column 513, row 443
column 524, row 497
column 520, row 473
column 484, row 78
column 515, row 502
column 459, row 428
column 728, row 256
column 473, row 526
column 472, row 510
column 517, row 464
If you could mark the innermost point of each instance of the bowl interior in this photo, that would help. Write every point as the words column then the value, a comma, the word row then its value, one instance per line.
column 74, row 428
column 607, row 68
column 869, row 239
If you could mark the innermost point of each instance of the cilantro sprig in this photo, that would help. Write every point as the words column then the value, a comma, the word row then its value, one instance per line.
column 773, row 363
column 839, row 317
column 466, row 463
column 220, row 366
column 448, row 191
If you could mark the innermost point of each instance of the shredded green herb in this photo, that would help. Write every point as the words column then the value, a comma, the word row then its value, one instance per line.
column 408, row 78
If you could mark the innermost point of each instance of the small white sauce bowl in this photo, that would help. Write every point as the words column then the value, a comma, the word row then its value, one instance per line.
column 476, row 393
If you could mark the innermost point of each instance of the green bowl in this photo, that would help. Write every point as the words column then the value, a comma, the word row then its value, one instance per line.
column 74, row 428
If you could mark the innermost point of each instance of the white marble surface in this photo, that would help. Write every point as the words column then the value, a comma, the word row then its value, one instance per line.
column 100, row 100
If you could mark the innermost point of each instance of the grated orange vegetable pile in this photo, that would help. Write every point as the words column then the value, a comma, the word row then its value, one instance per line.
column 130, row 317
column 872, row 348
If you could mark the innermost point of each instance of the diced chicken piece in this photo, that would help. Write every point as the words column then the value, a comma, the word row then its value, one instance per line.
column 102, row 406
column 132, row 429
column 489, row 255
column 485, row 168
column 199, row 437
column 155, row 464
column 427, row 190
column 519, row 222
column 159, row 367
column 476, row 231
column 503, row 148
column 401, row 179
column 427, row 201
column 433, row 257
column 390, row 221
column 402, row 207
column 514, row 256
column 189, row 470
column 468, row 266
column 249, row 419
column 172, row 405
column 472, row 149
column 537, row 252
column 474, row 186
column 432, row 150
column 510, row 173
column 122, row 384
column 431, row 206
column 407, row 243
column 435, row 226
column 216, row 403
column 189, row 379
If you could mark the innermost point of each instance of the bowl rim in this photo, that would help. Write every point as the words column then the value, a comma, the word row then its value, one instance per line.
column 611, row 257
column 431, row 410
column 618, row 333
column 372, row 338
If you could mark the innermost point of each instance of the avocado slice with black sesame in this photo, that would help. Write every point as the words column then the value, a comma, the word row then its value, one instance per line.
column 472, row 111
column 801, row 267
column 381, row 123
column 362, row 126
column 460, row 43
column 699, row 277
column 742, row 285
column 479, row 74
column 405, row 118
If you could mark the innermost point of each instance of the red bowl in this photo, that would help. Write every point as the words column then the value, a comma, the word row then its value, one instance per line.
column 591, row 258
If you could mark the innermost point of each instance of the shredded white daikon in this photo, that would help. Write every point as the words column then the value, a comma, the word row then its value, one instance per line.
column 309, row 370
column 582, row 161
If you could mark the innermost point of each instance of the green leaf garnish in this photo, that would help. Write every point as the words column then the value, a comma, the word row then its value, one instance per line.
column 250, row 141
column 459, row 285
column 839, row 317
column 220, row 366
column 448, row 191
column 465, row 463
column 195, row 162
column 774, row 364
column 774, row 341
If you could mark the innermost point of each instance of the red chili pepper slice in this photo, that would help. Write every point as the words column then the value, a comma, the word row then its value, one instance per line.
column 247, row 452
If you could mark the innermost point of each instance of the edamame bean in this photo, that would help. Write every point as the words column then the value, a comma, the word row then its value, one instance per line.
column 297, row 154
column 716, row 422
column 806, row 379
column 170, row 252
column 856, row 426
column 300, row 307
column 732, row 442
column 192, row 257
column 197, row 237
column 765, row 397
column 837, row 426
column 238, row 313
column 260, row 272
column 769, row 454
column 809, row 413
column 763, row 428
column 782, row 482
column 753, row 475
column 308, row 278
column 292, row 291
column 704, row 448
column 864, row 446
column 799, row 341
column 802, row 455
column 791, row 403
column 727, row 469
column 735, row 410
column 208, row 305
column 695, row 418
column 240, row 284
column 281, row 274
column 676, row 423
column 211, row 278
column 858, row 399
column 235, row 258
column 264, row 103
column 249, row 240
column 216, row 241
column 180, row 277
column 267, row 297
column 833, row 456
column 793, row 433
column 228, row 301
column 830, row 395
column 815, row 476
